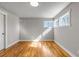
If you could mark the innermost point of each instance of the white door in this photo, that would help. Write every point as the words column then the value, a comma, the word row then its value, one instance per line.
column 1, row 31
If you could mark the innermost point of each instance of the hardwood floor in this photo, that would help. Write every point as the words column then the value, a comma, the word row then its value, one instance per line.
column 34, row 49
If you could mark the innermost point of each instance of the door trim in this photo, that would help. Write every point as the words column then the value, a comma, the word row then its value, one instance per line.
column 5, row 27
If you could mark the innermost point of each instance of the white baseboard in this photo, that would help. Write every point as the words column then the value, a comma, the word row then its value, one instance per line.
column 71, row 54
column 25, row 40
column 12, row 43
column 39, row 40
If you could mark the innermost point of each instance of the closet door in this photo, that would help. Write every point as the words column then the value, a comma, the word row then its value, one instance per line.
column 1, row 31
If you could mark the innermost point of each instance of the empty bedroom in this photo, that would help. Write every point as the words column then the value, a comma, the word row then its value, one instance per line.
column 39, row 29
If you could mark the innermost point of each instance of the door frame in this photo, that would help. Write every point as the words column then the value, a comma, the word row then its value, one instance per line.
column 5, row 27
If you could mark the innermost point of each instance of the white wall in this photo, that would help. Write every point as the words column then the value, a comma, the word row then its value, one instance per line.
column 68, row 37
column 31, row 28
column 12, row 27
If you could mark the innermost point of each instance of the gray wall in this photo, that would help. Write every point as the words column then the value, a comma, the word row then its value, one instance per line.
column 12, row 27
column 31, row 28
column 68, row 37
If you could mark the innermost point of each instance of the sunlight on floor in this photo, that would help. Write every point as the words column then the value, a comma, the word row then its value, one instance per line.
column 35, row 44
column 44, row 48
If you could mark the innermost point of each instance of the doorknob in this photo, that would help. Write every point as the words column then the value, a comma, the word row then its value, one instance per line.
column 2, row 33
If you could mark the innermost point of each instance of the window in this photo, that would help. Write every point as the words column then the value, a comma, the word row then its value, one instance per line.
column 48, row 24
column 56, row 23
column 65, row 19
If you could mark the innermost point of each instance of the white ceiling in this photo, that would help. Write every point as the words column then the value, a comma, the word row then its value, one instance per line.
column 44, row 10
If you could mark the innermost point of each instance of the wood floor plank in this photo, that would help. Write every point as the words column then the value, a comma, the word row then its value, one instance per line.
column 34, row 49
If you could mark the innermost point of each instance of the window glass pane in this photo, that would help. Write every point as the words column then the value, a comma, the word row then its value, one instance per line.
column 48, row 24
column 56, row 23
column 61, row 21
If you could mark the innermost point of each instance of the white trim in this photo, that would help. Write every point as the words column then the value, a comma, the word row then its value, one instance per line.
column 6, row 32
column 3, row 12
column 12, row 43
column 71, row 54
